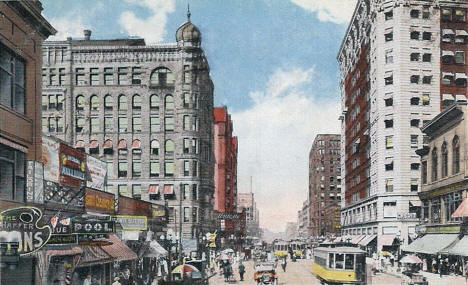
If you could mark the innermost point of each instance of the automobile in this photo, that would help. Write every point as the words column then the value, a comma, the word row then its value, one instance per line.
column 265, row 273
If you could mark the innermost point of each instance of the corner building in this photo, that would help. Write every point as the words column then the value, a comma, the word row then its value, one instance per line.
column 400, row 62
column 144, row 109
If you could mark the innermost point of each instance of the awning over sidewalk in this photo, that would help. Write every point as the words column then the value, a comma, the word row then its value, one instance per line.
column 93, row 255
column 459, row 248
column 462, row 210
column 118, row 250
column 155, row 250
column 367, row 239
column 356, row 239
column 431, row 243
column 386, row 240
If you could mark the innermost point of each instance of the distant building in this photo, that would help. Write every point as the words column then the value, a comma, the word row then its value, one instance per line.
column 225, row 169
column 324, row 185
column 291, row 231
column 147, row 110
column 246, row 202
column 303, row 219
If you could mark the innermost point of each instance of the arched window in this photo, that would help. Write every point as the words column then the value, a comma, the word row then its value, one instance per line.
column 154, row 147
column 108, row 102
column 154, row 101
column 444, row 171
column 169, row 147
column 456, row 155
column 434, row 164
column 80, row 102
column 94, row 102
column 136, row 104
column 162, row 76
column 122, row 102
column 169, row 102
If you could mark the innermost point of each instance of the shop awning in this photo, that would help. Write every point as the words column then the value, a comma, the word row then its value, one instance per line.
column 447, row 75
column 386, row 240
column 415, row 203
column 462, row 210
column 367, row 239
column 356, row 239
column 460, row 75
column 460, row 97
column 447, row 97
column 107, row 144
column 431, row 243
column 447, row 32
column 153, row 189
column 155, row 250
column 93, row 255
column 122, row 144
column 448, row 53
column 136, row 144
column 168, row 189
column 461, row 33
column 118, row 250
column 79, row 144
column 60, row 252
column 338, row 239
column 459, row 248
column 93, row 144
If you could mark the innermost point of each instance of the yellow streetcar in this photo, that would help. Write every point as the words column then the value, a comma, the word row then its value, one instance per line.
column 340, row 265
column 280, row 248
column 297, row 247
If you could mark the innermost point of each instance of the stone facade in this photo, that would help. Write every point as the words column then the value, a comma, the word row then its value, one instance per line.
column 144, row 109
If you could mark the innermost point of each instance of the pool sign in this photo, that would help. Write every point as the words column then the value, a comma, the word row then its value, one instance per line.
column 24, row 225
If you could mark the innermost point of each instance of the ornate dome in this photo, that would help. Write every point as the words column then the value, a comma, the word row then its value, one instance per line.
column 188, row 32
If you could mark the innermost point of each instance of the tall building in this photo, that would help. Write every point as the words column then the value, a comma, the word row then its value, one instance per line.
column 22, row 31
column 400, row 61
column 225, row 171
column 324, row 184
column 246, row 202
column 144, row 109
column 303, row 219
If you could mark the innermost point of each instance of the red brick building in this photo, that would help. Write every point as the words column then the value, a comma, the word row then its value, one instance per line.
column 225, row 174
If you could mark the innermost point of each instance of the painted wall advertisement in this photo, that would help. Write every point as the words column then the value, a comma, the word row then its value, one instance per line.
column 96, row 173
column 50, row 159
column 35, row 182
column 98, row 201
column 72, row 166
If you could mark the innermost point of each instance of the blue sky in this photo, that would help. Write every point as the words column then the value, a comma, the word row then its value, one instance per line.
column 272, row 63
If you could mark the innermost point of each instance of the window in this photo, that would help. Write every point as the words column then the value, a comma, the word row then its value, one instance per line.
column 427, row 57
column 122, row 102
column 414, row 35
column 414, row 79
column 62, row 76
column 94, row 124
column 195, row 168
column 51, row 125
column 169, row 102
column 426, row 14
column 389, row 166
column 80, row 76
column 414, row 101
column 136, row 191
column 194, row 124
column 94, row 76
column 169, row 123
column 459, row 57
column 136, row 75
column 187, row 74
column 444, row 170
column 414, row 140
column 136, row 168
column 155, row 125
column 53, row 77
column 154, row 101
column 122, row 76
column 59, row 124
column 155, row 147
column 108, row 123
column 108, row 102
column 389, row 15
column 123, row 124
column 186, row 100
column 154, row 168
column 45, row 125
column 80, row 102
column 349, row 261
column 414, row 123
column 136, row 104
column 162, row 76
column 12, row 173
column 122, row 189
column 459, row 15
column 455, row 155
column 427, row 79
column 122, row 168
column 389, row 56
column 194, row 192
column 186, row 214
column 427, row 36
column 446, row 14
column 414, row 14
column 169, row 169
column 186, row 168
column 45, row 102
column 186, row 145
column 388, row 102
column 136, row 122
column 94, row 103
column 195, row 100
column 389, row 142
column 415, row 56
column 389, row 79
column 389, row 36
column 434, row 164
column 414, row 166
column 186, row 123
column 424, row 172
column 339, row 261
column 108, row 76
column 186, row 191
column 80, row 121
column 389, row 210
column 388, row 123
column 425, row 99
column 169, row 147
column 194, row 214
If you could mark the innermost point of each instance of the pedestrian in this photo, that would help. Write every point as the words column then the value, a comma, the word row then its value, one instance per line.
column 116, row 281
column 392, row 259
column 466, row 271
column 283, row 264
column 87, row 280
column 441, row 267
column 241, row 271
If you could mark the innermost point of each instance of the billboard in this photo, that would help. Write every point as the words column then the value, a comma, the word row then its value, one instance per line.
column 50, row 159
column 101, row 202
column 72, row 166
column 96, row 173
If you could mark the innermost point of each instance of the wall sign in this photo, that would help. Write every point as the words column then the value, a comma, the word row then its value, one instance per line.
column 34, row 182
column 72, row 166
column 63, row 239
column 96, row 173
column 93, row 227
column 132, row 223
column 25, row 226
column 50, row 158
column 99, row 201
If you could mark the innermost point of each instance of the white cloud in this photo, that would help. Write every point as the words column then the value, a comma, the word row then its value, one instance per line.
column 275, row 136
column 68, row 27
column 336, row 11
column 152, row 28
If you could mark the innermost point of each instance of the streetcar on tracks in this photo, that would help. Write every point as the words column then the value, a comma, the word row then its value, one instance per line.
column 280, row 248
column 340, row 265
column 298, row 247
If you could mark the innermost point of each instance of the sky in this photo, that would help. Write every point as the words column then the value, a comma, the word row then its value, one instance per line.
column 272, row 62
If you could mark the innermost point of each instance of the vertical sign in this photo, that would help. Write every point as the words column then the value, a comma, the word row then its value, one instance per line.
column 97, row 171
column 34, row 182
column 50, row 158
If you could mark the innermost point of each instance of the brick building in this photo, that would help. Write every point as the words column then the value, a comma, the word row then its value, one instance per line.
column 144, row 109
column 324, row 183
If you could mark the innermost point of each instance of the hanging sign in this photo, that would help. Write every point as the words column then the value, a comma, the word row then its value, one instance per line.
column 25, row 226
column 93, row 227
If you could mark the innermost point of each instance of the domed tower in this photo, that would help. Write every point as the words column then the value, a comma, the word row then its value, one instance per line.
column 188, row 34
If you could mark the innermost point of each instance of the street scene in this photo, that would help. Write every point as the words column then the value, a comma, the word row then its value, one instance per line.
column 233, row 142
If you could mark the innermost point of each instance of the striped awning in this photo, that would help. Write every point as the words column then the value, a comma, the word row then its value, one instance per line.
column 447, row 97
column 107, row 144
column 462, row 210
column 461, row 33
column 118, row 250
column 153, row 189
column 80, row 144
column 93, row 144
column 136, row 144
column 460, row 98
column 168, row 189
column 122, row 144
column 447, row 32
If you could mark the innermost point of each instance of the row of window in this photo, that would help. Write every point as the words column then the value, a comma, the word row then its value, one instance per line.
column 444, row 158
column 414, row 141
column 190, row 168
column 414, row 35
column 414, row 14
column 453, row 14
column 414, row 101
column 360, row 214
column 389, row 165
column 413, row 123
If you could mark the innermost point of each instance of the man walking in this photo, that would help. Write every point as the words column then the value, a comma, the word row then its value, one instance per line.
column 283, row 264
column 241, row 270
